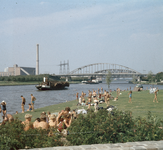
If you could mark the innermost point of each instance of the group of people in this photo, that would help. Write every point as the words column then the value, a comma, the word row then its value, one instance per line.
column 48, row 120
column 5, row 117
column 94, row 97
column 31, row 105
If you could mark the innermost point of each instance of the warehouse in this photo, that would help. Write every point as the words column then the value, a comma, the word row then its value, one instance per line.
column 15, row 71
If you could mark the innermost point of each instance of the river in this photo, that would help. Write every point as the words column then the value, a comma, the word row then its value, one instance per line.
column 11, row 94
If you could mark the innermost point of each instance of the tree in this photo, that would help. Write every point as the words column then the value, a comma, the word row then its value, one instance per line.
column 134, row 79
column 159, row 76
column 108, row 79
column 150, row 76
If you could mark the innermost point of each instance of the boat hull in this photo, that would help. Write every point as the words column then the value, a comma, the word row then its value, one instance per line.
column 41, row 88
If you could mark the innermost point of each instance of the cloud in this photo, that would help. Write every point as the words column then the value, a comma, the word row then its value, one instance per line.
column 25, row 25
column 98, row 18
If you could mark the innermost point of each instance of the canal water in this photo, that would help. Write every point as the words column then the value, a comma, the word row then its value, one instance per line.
column 11, row 94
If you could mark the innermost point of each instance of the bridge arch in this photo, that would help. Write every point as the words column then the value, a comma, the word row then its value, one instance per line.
column 103, row 68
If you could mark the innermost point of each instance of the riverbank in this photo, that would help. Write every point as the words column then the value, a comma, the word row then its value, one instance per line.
column 142, row 103
column 13, row 83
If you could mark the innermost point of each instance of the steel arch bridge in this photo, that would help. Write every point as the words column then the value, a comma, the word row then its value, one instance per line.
column 103, row 68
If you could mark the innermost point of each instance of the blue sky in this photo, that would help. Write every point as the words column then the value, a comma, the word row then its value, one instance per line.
column 129, row 33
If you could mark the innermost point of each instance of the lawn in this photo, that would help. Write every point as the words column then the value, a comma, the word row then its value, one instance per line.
column 142, row 102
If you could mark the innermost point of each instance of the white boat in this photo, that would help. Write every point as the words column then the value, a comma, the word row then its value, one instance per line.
column 90, row 82
column 84, row 82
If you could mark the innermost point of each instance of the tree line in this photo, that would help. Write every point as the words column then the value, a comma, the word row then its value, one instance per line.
column 31, row 78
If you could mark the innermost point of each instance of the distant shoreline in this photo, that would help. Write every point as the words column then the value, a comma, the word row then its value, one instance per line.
column 12, row 83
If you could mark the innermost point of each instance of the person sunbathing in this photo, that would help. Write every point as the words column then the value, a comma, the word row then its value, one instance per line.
column 52, row 121
column 35, row 124
column 27, row 123
column 74, row 115
column 64, row 121
column 47, row 119
column 48, row 115
column 67, row 110
column 83, row 102
column 67, row 120
column 43, row 124
column 8, row 118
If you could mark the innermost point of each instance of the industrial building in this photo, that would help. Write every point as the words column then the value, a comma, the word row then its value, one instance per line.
column 15, row 71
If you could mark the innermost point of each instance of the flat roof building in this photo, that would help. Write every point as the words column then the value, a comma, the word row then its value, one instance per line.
column 15, row 71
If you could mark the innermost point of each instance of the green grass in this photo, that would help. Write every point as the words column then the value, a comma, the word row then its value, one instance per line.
column 6, row 83
column 142, row 102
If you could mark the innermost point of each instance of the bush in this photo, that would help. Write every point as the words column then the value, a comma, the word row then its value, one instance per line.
column 14, row 137
column 101, row 127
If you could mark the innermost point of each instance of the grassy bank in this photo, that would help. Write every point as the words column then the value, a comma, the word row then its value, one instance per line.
column 142, row 102
column 6, row 83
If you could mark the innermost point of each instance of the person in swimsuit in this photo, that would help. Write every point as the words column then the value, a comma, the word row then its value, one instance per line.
column 23, row 103
column 98, row 91
column 101, row 90
column 107, row 96
column 43, row 122
column 32, row 101
column 77, row 95
column 94, row 95
column 30, row 107
column 117, row 92
column 130, row 96
column 104, row 95
column 89, row 102
column 155, row 96
column 3, row 109
column 27, row 123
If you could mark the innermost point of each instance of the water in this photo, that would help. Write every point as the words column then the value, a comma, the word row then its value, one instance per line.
column 11, row 94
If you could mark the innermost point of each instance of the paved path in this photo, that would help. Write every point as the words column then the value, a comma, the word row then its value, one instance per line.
column 145, row 145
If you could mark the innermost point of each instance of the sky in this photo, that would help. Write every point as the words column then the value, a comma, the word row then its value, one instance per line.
column 124, row 32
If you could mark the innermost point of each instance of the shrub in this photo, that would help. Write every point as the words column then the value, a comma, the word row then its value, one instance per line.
column 102, row 127
column 14, row 137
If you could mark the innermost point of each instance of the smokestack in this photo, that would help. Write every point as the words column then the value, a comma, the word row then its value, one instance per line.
column 37, row 60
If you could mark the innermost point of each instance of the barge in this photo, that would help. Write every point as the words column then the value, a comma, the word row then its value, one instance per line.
column 52, row 85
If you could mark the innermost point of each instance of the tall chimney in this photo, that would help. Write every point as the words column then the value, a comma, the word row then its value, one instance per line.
column 37, row 60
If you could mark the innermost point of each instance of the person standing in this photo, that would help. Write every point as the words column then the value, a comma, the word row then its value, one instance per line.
column 101, row 90
column 32, row 101
column 98, row 91
column 77, row 95
column 89, row 102
column 130, row 96
column 155, row 96
column 23, row 103
column 80, row 100
column 107, row 100
column 94, row 95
